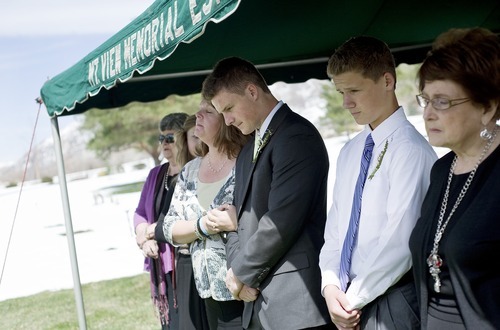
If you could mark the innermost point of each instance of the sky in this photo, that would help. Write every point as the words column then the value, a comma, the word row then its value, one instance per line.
column 38, row 40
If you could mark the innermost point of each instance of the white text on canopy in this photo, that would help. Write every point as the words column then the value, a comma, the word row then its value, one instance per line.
column 159, row 36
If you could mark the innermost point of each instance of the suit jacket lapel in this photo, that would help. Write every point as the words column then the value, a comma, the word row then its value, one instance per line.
column 278, row 118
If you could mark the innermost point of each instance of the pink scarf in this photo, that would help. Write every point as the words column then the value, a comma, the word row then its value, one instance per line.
column 159, row 286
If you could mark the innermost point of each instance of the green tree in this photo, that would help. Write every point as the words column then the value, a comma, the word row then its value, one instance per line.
column 336, row 117
column 406, row 88
column 133, row 126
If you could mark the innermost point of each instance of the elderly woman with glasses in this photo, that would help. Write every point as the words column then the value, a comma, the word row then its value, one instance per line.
column 153, row 205
column 456, row 242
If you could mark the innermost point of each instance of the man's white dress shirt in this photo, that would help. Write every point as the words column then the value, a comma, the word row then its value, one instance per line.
column 391, row 203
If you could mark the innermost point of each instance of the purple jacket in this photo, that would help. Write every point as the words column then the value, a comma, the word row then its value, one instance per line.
column 145, row 212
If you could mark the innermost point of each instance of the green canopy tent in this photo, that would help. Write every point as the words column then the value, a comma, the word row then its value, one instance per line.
column 290, row 41
column 171, row 47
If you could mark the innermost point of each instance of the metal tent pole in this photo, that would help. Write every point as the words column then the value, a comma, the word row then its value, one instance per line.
column 69, row 226
column 205, row 72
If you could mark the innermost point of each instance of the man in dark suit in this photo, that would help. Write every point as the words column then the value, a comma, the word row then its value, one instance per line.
column 280, row 203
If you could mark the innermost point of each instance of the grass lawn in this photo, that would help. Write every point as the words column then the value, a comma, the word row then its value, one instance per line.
column 123, row 303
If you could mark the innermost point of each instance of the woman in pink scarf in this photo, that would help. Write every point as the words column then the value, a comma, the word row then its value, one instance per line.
column 153, row 204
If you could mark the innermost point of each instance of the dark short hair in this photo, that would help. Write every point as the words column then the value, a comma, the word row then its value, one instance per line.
column 369, row 56
column 232, row 74
column 173, row 121
column 468, row 57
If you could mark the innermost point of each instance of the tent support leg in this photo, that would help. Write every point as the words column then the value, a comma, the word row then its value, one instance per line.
column 69, row 225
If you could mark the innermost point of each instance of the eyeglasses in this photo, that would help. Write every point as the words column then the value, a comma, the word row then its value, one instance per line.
column 440, row 103
column 168, row 138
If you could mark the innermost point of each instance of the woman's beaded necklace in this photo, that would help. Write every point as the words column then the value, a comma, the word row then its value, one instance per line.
column 168, row 178
column 212, row 168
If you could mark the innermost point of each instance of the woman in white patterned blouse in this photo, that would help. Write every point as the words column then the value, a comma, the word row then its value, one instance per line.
column 207, row 183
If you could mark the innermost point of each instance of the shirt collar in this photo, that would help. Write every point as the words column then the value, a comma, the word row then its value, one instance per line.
column 387, row 127
column 268, row 119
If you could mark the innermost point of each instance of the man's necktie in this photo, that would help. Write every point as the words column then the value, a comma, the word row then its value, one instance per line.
column 352, row 231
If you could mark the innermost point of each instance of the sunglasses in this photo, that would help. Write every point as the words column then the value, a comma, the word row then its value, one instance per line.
column 168, row 138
